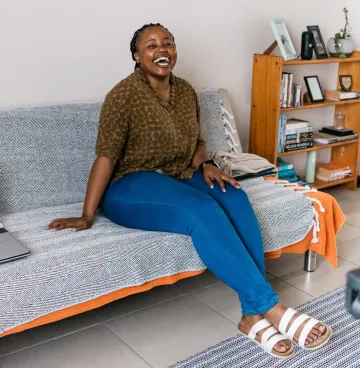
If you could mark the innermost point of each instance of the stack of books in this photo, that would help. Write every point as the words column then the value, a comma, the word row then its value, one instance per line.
column 339, row 95
column 286, row 171
column 325, row 138
column 330, row 134
column 332, row 171
column 290, row 93
column 294, row 134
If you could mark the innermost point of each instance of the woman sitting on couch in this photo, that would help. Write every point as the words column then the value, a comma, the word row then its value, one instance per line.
column 153, row 172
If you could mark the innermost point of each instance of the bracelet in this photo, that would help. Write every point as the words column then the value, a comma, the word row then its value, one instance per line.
column 212, row 162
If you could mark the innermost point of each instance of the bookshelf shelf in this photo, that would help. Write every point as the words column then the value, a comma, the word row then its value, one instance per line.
column 318, row 146
column 309, row 105
column 321, row 184
column 330, row 60
column 265, row 112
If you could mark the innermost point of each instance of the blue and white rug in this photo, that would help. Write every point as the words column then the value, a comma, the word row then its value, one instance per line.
column 343, row 349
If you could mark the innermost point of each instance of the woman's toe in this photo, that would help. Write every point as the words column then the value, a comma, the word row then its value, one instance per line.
column 280, row 348
column 322, row 328
column 312, row 336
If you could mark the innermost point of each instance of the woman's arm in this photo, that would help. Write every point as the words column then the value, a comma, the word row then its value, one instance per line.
column 201, row 155
column 210, row 171
column 100, row 175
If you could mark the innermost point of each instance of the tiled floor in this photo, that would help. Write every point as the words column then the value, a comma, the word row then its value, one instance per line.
column 168, row 324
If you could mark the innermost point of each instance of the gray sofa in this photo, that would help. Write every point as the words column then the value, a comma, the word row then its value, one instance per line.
column 46, row 156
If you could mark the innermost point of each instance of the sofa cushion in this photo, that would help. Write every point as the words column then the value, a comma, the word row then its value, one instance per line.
column 46, row 153
column 67, row 268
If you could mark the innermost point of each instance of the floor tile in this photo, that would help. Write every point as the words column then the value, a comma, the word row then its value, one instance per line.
column 172, row 331
column 95, row 347
column 136, row 302
column 323, row 280
column 38, row 335
column 347, row 232
column 283, row 258
column 350, row 250
column 341, row 193
column 199, row 282
column 289, row 295
column 223, row 299
column 351, row 211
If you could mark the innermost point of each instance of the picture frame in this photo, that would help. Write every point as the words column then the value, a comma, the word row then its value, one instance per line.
column 283, row 39
column 319, row 45
column 346, row 82
column 314, row 88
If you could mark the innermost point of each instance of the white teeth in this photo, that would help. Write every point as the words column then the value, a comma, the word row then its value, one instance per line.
column 162, row 59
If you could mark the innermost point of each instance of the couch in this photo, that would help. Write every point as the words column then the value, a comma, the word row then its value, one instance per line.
column 45, row 160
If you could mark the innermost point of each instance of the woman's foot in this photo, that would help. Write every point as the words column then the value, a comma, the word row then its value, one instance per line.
column 275, row 315
column 247, row 322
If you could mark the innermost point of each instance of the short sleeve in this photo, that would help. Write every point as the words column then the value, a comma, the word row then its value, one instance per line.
column 113, row 127
column 200, row 140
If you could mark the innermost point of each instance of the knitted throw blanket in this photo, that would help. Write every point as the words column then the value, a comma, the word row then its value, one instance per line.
column 285, row 215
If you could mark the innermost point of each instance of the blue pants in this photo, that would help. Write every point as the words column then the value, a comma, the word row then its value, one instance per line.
column 223, row 227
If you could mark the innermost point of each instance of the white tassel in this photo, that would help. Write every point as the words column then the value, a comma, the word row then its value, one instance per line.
column 310, row 190
column 303, row 190
column 322, row 209
column 227, row 123
column 227, row 112
column 315, row 239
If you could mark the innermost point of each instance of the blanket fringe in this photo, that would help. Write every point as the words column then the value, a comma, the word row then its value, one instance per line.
column 306, row 189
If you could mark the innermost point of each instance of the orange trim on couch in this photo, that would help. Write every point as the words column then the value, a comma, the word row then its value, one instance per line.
column 100, row 301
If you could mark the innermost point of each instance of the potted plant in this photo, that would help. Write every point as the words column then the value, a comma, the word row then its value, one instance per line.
column 342, row 45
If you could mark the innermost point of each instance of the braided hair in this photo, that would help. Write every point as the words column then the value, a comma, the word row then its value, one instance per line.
column 134, row 41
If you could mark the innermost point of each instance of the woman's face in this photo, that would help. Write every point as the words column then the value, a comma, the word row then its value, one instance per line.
column 156, row 52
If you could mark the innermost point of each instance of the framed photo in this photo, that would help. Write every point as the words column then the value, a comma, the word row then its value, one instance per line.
column 314, row 89
column 346, row 82
column 319, row 45
column 283, row 39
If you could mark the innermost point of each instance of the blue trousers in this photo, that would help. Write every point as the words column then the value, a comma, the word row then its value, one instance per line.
column 223, row 227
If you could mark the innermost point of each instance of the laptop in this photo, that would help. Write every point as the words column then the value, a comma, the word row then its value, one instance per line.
column 11, row 248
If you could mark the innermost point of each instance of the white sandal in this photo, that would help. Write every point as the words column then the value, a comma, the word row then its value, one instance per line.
column 268, row 339
column 289, row 333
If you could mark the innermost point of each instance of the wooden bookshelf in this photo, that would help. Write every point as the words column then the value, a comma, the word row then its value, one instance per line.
column 265, row 112
column 313, row 105
column 321, row 184
column 330, row 60
column 318, row 146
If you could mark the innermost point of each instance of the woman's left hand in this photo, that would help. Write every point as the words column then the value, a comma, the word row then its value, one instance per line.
column 212, row 173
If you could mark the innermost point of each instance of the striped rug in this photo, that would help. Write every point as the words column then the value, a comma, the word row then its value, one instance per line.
column 343, row 349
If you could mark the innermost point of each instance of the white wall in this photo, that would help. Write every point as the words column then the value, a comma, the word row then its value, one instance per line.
column 65, row 50
column 354, row 15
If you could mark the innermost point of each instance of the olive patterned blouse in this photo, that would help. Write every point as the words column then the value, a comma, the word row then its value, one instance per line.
column 144, row 133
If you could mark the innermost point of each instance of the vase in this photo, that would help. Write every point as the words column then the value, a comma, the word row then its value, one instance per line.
column 346, row 46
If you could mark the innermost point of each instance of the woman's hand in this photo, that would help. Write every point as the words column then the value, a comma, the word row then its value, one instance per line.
column 212, row 173
column 77, row 223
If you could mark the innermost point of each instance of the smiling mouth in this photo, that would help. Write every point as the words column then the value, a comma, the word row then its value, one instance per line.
column 162, row 61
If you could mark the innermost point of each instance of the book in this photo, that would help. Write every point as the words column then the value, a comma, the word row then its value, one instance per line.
column 326, row 178
column 283, row 165
column 339, row 95
column 290, row 93
column 339, row 174
column 325, row 138
column 335, row 131
column 286, row 173
column 298, row 146
column 331, row 167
